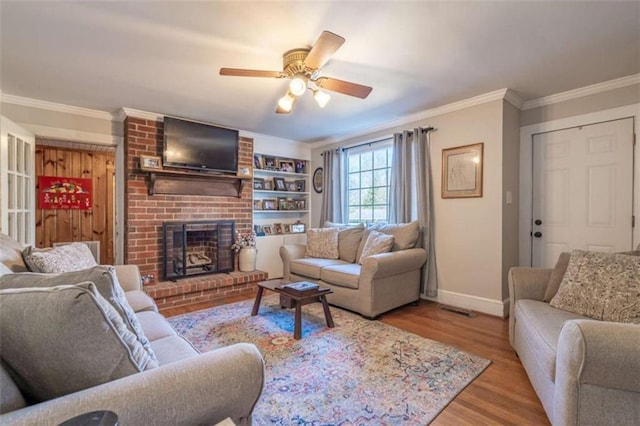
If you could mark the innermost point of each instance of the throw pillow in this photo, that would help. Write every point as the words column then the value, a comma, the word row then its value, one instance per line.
column 106, row 282
column 556, row 276
column 405, row 234
column 601, row 286
column 64, row 339
column 322, row 243
column 67, row 258
column 377, row 243
column 348, row 242
column 11, row 254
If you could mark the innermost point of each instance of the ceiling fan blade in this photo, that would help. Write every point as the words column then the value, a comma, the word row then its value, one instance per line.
column 345, row 87
column 240, row 72
column 325, row 47
column 284, row 111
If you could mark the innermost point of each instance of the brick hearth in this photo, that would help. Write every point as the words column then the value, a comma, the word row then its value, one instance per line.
column 144, row 215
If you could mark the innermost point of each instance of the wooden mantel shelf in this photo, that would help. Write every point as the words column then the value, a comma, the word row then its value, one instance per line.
column 180, row 182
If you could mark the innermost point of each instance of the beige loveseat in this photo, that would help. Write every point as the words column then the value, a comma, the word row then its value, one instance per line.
column 380, row 283
column 585, row 371
column 185, row 388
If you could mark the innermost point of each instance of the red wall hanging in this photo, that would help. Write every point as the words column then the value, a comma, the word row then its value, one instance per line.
column 64, row 193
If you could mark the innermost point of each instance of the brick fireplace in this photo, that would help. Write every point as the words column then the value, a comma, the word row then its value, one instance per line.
column 145, row 215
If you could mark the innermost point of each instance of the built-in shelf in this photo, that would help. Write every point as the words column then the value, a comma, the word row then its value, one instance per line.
column 274, row 192
column 181, row 182
column 280, row 211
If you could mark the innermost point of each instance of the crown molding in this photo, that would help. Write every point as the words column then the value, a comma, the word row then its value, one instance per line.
column 513, row 98
column 52, row 106
column 136, row 113
column 423, row 115
column 582, row 91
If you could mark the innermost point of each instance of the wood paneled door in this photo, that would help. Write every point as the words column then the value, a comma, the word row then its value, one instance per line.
column 66, row 225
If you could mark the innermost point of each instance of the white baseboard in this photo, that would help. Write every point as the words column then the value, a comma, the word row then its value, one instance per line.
column 479, row 304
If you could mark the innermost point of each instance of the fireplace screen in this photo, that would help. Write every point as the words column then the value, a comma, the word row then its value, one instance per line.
column 197, row 248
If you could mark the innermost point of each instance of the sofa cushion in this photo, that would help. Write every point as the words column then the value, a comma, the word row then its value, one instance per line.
column 376, row 243
column 11, row 254
column 541, row 325
column 405, row 235
column 140, row 301
column 556, row 276
column 155, row 326
column 173, row 348
column 11, row 398
column 322, row 243
column 64, row 339
column 342, row 275
column 105, row 280
column 601, row 286
column 348, row 242
column 310, row 267
column 67, row 258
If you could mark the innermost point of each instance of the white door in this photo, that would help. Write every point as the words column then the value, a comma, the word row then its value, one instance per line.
column 582, row 190
column 17, row 182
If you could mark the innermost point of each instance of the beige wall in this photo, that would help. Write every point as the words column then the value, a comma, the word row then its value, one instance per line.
column 468, row 232
column 597, row 102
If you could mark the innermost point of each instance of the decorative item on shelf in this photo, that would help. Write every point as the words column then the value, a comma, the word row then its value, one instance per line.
column 267, row 230
column 245, row 171
column 258, row 230
column 268, row 185
column 269, row 204
column 257, row 161
column 297, row 228
column 300, row 204
column 291, row 204
column 257, row 204
column 245, row 247
column 277, row 228
column 300, row 185
column 462, row 171
column 282, row 204
column 279, row 184
column 150, row 163
column 269, row 163
column 291, row 186
column 286, row 165
column 286, row 228
column 318, row 177
column 301, row 166
column 258, row 184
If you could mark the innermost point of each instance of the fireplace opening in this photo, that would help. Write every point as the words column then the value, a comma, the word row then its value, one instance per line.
column 197, row 248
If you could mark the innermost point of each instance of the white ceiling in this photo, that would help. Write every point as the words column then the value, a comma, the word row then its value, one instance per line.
column 164, row 57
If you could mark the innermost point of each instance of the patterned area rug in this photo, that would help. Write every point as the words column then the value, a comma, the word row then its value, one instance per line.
column 359, row 373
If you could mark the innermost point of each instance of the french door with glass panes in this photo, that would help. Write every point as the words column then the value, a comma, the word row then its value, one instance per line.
column 17, row 182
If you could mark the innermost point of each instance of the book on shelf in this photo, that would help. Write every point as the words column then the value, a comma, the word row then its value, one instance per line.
column 300, row 288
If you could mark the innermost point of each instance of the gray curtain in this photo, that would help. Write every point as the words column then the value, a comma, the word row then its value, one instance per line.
column 412, row 195
column 331, row 209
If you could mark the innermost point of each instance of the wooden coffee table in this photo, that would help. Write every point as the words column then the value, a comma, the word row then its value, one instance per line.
column 298, row 302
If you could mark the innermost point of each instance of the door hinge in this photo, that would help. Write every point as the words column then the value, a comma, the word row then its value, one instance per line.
column 633, row 221
column 634, row 139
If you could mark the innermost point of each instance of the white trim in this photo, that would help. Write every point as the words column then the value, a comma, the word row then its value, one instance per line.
column 526, row 184
column 480, row 304
column 52, row 106
column 423, row 115
column 72, row 135
column 136, row 113
column 583, row 91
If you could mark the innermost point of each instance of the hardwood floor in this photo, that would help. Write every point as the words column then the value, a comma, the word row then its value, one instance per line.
column 502, row 395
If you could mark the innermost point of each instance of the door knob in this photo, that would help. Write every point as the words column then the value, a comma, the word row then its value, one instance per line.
column 538, row 222
column 537, row 234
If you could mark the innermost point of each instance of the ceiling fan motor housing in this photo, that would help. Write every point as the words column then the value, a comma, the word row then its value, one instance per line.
column 293, row 62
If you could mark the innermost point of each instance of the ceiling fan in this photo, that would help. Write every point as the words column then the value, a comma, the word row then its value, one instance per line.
column 302, row 66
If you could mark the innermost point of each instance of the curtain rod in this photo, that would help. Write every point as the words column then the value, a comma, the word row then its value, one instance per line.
column 424, row 130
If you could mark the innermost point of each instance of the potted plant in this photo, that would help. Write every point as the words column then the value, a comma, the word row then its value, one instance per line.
column 245, row 247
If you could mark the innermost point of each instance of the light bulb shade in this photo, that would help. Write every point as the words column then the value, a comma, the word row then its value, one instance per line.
column 322, row 98
column 286, row 102
column 298, row 85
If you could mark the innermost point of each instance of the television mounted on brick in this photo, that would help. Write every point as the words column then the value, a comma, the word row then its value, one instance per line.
column 199, row 146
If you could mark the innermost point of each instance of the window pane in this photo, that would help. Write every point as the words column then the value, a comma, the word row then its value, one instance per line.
column 354, row 180
column 354, row 198
column 366, row 161
column 380, row 159
column 380, row 196
column 380, row 214
column 354, row 163
column 380, row 177
column 354, row 214
column 366, row 198
column 366, row 179
column 366, row 215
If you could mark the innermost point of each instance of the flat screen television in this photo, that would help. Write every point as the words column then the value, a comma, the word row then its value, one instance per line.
column 192, row 145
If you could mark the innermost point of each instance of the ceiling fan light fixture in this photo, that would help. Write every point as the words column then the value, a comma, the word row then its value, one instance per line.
column 298, row 85
column 286, row 102
column 322, row 98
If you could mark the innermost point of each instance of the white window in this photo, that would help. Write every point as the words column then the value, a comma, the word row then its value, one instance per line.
column 368, row 178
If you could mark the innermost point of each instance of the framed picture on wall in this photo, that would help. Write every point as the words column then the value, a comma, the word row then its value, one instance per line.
column 462, row 171
column 297, row 228
column 150, row 163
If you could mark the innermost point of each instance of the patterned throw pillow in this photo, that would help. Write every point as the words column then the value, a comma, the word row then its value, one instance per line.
column 67, row 258
column 377, row 243
column 601, row 286
column 322, row 243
